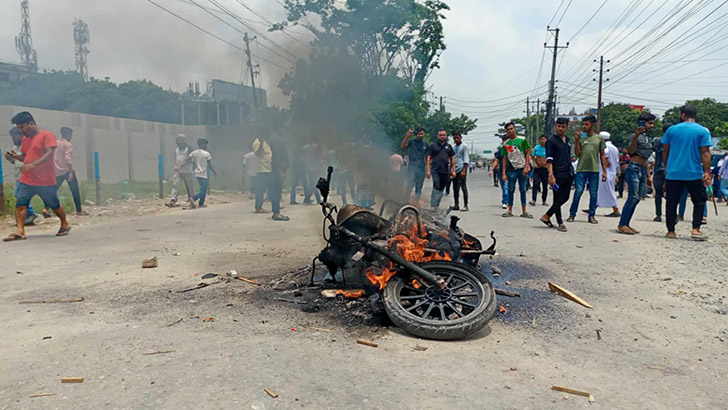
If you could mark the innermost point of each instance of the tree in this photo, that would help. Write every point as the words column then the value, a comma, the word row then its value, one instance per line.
column 723, row 143
column 712, row 114
column 621, row 121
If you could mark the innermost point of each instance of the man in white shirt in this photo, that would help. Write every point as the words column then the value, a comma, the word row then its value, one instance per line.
column 182, row 171
column 252, row 167
column 201, row 161
column 606, row 195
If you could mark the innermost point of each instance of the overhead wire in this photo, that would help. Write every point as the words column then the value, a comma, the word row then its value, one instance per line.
column 587, row 22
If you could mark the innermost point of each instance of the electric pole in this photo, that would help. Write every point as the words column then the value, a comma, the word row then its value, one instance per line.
column 81, row 38
column 538, row 114
column 552, row 85
column 252, row 73
column 529, row 134
column 599, row 98
column 442, row 106
column 24, row 42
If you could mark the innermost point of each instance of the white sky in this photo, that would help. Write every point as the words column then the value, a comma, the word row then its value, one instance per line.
column 492, row 61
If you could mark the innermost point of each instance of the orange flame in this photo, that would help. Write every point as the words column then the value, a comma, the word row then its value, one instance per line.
column 412, row 247
column 416, row 284
column 381, row 279
column 468, row 244
column 352, row 294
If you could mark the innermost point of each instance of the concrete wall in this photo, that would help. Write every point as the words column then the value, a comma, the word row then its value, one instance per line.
column 129, row 149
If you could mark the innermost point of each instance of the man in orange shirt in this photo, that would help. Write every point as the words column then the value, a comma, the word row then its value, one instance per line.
column 38, row 175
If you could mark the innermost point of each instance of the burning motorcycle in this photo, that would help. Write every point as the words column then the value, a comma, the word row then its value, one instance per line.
column 424, row 272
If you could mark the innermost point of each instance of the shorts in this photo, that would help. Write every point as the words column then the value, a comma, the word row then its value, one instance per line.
column 48, row 194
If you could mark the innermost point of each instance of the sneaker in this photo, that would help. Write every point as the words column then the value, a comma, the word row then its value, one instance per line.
column 465, row 209
column 657, row 219
column 504, row 206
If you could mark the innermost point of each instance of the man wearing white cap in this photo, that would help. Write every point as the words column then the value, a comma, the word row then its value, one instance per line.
column 607, row 197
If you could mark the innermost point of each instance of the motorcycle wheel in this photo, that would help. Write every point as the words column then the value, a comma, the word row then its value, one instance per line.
column 463, row 307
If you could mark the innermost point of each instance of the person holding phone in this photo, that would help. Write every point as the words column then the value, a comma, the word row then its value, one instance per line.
column 515, row 167
column 589, row 147
column 636, row 175
column 561, row 173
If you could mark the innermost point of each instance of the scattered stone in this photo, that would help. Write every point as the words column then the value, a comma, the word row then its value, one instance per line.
column 209, row 275
column 149, row 263
column 496, row 270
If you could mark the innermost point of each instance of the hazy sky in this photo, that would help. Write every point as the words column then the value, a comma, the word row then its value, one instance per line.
column 492, row 62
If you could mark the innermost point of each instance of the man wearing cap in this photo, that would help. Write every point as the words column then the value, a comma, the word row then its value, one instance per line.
column 182, row 171
column 606, row 197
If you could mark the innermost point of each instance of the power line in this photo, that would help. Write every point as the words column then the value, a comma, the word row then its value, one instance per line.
column 268, row 21
column 557, row 12
column 587, row 22
column 212, row 34
column 564, row 14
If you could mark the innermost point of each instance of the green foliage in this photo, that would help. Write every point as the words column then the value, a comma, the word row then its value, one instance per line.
column 723, row 143
column 621, row 121
column 712, row 114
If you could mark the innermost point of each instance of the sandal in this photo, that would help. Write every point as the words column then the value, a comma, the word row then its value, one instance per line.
column 634, row 230
column 14, row 237
column 593, row 220
column 64, row 231
column 699, row 237
column 279, row 217
column 546, row 222
column 570, row 219
column 625, row 230
column 562, row 228
column 613, row 215
column 527, row 215
column 507, row 215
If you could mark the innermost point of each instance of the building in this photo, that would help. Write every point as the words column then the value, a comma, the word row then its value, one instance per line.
column 224, row 91
column 10, row 73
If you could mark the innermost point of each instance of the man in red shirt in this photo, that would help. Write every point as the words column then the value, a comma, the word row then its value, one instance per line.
column 38, row 175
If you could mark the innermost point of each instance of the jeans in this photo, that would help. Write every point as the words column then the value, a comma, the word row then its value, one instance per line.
column 540, row 180
column 698, row 196
column 31, row 211
column 496, row 177
column 561, row 196
column 504, row 191
column 636, row 178
column 297, row 178
column 458, row 183
column 415, row 179
column 346, row 179
column 582, row 178
column 620, row 183
column 202, row 194
column 73, row 186
column 439, row 180
column 724, row 188
column 658, row 182
column 514, row 176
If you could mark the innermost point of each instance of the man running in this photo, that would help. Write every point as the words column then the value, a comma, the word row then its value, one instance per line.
column 462, row 162
column 540, row 172
column 516, row 164
column 416, row 149
column 589, row 148
column 561, row 173
column 440, row 166
column 636, row 176
column 686, row 155
column 38, row 176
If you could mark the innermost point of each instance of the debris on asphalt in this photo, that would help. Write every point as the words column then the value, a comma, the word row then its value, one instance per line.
column 270, row 392
column 502, row 309
column 615, row 240
column 72, row 380
column 28, row 302
column 176, row 254
column 245, row 279
column 320, row 329
column 533, row 322
column 208, row 319
column 350, row 294
column 507, row 293
column 299, row 302
column 46, row 337
column 574, row 391
column 158, row 352
column 149, row 263
column 366, row 343
column 655, row 367
column 209, row 275
column 42, row 395
column 420, row 348
column 599, row 334
column 199, row 286
column 329, row 293
column 233, row 273
column 567, row 294
column 496, row 270
column 175, row 322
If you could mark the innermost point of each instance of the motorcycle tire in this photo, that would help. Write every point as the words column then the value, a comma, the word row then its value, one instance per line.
column 465, row 306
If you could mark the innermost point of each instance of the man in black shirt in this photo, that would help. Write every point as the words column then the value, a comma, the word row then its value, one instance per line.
column 658, row 168
column 440, row 165
column 561, row 173
column 416, row 149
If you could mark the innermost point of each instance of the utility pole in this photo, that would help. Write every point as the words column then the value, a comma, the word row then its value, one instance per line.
column 442, row 105
column 24, row 42
column 599, row 98
column 552, row 85
column 529, row 130
column 252, row 73
column 81, row 38
column 538, row 114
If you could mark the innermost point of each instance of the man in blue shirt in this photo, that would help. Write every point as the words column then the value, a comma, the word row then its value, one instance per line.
column 686, row 156
column 462, row 160
column 416, row 149
column 540, row 172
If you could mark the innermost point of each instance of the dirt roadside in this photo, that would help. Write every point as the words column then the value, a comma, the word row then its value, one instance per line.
column 660, row 307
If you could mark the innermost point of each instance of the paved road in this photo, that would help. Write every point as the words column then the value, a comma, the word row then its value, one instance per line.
column 660, row 307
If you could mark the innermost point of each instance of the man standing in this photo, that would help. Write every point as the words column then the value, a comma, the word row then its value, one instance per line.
column 623, row 162
column 636, row 176
column 182, row 171
column 314, row 166
column 561, row 173
column 515, row 167
column 38, row 176
column 252, row 167
column 265, row 182
column 497, row 174
column 686, row 155
column 416, row 149
column 540, row 172
column 201, row 162
column 440, row 166
column 279, row 166
column 394, row 179
column 462, row 164
column 723, row 177
column 658, row 173
column 17, row 137
column 589, row 148
column 298, row 175
column 64, row 168
column 607, row 198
